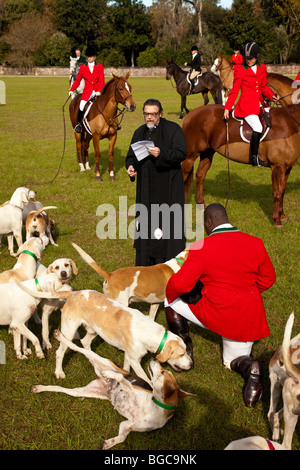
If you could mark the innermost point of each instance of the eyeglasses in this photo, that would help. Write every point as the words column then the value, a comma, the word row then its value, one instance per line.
column 150, row 114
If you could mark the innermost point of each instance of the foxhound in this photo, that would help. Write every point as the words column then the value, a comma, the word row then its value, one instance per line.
column 145, row 408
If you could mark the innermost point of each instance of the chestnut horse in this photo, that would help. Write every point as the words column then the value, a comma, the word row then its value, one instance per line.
column 206, row 82
column 278, row 83
column 205, row 132
column 103, row 121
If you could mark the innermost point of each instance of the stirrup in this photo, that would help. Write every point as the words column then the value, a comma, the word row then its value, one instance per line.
column 256, row 161
column 78, row 128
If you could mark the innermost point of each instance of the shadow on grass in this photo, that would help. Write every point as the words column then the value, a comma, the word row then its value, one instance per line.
column 242, row 190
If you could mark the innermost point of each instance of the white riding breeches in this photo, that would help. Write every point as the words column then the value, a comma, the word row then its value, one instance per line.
column 254, row 122
column 231, row 349
column 83, row 102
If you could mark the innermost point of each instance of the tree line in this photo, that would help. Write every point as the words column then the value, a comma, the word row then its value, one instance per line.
column 127, row 33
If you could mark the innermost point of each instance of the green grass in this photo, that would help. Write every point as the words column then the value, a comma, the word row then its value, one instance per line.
column 32, row 141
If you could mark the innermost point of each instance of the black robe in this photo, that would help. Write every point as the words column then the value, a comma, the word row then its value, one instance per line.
column 159, row 181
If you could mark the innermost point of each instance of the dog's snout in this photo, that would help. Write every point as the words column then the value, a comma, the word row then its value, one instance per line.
column 63, row 273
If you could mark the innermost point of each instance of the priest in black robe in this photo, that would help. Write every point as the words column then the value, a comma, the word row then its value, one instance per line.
column 159, row 218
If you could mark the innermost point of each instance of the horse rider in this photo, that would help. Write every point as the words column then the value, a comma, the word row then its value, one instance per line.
column 93, row 74
column 251, row 79
column 237, row 58
column 80, row 58
column 195, row 65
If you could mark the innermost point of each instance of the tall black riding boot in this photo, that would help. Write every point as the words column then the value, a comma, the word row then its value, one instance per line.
column 254, row 144
column 251, row 371
column 78, row 127
column 179, row 326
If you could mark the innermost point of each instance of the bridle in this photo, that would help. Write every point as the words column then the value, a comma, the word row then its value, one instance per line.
column 111, row 121
column 220, row 68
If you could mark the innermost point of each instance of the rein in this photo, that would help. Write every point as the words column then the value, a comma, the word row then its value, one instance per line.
column 110, row 121
column 220, row 69
column 227, row 157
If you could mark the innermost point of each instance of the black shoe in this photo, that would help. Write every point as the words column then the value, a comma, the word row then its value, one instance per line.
column 251, row 371
column 179, row 326
column 256, row 161
column 78, row 128
column 254, row 144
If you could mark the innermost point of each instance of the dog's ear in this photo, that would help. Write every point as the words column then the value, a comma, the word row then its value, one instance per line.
column 74, row 267
column 183, row 394
column 50, row 268
column 166, row 353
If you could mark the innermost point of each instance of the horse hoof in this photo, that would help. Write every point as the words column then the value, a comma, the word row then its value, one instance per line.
column 284, row 219
column 112, row 178
column 99, row 178
column 279, row 226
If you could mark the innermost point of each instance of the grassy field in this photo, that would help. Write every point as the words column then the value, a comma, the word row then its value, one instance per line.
column 32, row 141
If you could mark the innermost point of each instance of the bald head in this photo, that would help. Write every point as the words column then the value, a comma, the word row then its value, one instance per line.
column 214, row 215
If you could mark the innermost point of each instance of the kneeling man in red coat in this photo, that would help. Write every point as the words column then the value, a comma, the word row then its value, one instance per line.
column 233, row 268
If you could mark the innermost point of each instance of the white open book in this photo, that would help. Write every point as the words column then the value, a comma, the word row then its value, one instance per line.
column 141, row 148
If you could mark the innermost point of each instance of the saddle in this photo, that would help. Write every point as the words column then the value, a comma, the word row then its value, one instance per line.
column 246, row 131
column 195, row 79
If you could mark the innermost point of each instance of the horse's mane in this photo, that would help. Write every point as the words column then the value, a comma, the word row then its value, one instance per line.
column 178, row 67
column 107, row 84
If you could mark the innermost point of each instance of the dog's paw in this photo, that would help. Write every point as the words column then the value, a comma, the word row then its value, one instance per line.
column 35, row 389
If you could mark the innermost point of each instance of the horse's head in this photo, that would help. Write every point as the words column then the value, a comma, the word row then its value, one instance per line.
column 73, row 65
column 217, row 64
column 123, row 92
column 169, row 69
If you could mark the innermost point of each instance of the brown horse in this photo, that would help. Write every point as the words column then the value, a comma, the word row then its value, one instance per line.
column 103, row 121
column 205, row 132
column 278, row 83
column 206, row 82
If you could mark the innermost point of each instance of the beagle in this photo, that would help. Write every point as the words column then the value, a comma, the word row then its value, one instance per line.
column 145, row 408
column 122, row 327
column 28, row 256
column 16, row 307
column 284, row 373
column 39, row 224
column 138, row 283
column 11, row 217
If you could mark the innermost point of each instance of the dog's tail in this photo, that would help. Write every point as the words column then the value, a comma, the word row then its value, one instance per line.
column 42, row 209
column 290, row 366
column 64, row 294
column 91, row 262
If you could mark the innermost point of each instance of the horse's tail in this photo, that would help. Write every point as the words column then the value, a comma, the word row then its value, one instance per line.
column 91, row 262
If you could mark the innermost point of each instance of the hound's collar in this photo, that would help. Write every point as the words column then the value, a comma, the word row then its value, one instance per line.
column 37, row 284
column 30, row 253
column 162, row 405
column 180, row 261
column 162, row 343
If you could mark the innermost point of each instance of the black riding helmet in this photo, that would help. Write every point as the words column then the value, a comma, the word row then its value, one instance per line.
column 251, row 50
column 90, row 51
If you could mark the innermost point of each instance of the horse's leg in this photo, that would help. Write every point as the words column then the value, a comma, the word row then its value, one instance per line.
column 187, row 168
column 112, row 140
column 79, row 148
column 280, row 175
column 203, row 167
column 96, row 141
column 283, row 217
column 86, row 153
column 205, row 97
column 183, row 106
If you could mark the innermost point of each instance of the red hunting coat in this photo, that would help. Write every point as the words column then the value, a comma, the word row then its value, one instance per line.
column 237, row 59
column 253, row 88
column 234, row 269
column 93, row 81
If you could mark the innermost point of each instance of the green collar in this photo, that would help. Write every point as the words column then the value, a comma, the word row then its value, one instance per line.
column 162, row 343
column 38, row 285
column 30, row 253
column 180, row 261
column 224, row 230
column 162, row 405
